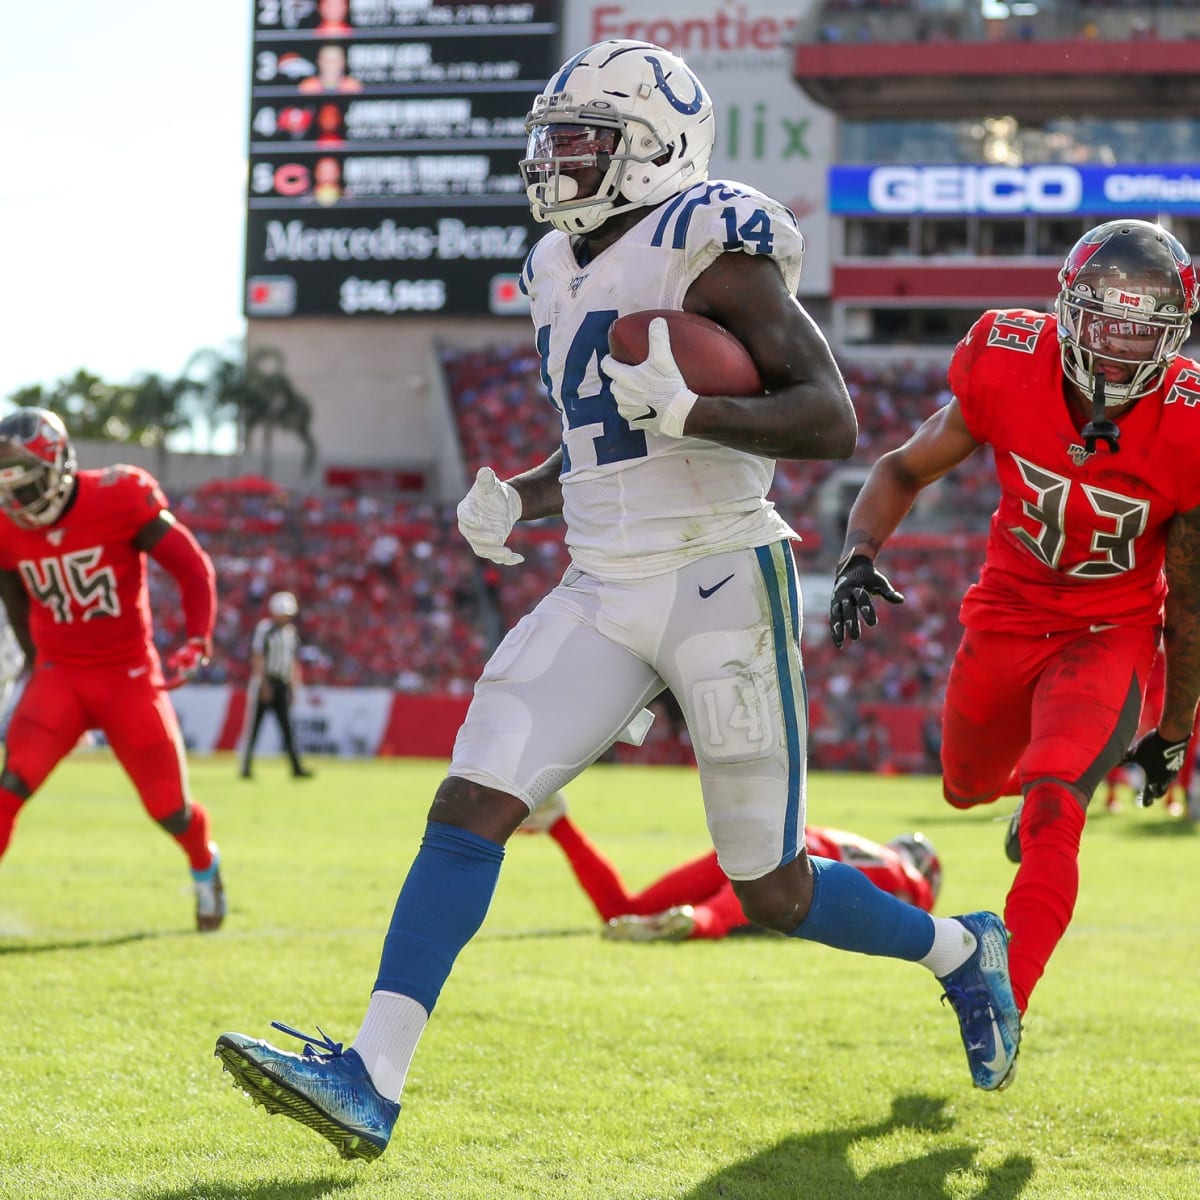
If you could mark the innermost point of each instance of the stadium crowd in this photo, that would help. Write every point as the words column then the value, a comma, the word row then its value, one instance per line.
column 394, row 598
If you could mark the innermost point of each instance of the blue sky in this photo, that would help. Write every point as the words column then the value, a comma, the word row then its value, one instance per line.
column 121, row 185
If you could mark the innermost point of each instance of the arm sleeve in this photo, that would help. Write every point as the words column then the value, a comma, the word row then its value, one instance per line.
column 961, row 374
column 179, row 553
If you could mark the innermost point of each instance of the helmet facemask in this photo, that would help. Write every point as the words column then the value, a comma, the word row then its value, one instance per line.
column 575, row 141
column 1109, row 331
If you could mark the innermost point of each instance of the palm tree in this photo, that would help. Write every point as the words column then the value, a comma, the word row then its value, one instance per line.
column 257, row 394
column 156, row 408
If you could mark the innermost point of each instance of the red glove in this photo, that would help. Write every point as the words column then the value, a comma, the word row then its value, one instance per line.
column 183, row 663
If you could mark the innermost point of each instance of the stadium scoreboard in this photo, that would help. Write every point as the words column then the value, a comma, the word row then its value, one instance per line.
column 383, row 148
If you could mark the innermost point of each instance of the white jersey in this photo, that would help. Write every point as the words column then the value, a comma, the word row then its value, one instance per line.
column 639, row 504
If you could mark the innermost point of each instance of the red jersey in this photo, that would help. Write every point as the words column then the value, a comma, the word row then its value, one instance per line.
column 884, row 867
column 89, row 604
column 1078, row 539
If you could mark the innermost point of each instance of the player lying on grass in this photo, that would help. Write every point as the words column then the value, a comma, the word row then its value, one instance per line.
column 696, row 899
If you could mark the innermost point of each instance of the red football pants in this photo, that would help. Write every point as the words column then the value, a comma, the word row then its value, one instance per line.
column 60, row 704
column 1062, row 710
column 1064, row 706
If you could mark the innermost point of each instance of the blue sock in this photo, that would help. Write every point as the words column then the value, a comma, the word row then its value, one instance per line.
column 850, row 913
column 439, row 909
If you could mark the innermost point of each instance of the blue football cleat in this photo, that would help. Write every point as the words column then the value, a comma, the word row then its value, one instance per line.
column 324, row 1088
column 981, row 993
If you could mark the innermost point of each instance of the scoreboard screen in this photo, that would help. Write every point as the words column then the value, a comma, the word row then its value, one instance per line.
column 384, row 140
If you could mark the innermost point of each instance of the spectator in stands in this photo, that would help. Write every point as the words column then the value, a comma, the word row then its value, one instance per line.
column 1064, row 622
column 696, row 899
column 274, row 677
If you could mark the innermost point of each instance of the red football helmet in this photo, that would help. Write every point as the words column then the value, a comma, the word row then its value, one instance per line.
column 1129, row 290
column 920, row 854
column 37, row 467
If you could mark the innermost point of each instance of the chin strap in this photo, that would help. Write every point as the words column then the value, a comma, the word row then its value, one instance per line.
column 1100, row 428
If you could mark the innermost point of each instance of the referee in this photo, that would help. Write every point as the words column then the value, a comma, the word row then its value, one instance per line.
column 274, row 672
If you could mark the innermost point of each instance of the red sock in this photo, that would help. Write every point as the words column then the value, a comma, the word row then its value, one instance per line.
column 10, row 805
column 194, row 839
column 699, row 881
column 596, row 875
column 719, row 914
column 1042, row 897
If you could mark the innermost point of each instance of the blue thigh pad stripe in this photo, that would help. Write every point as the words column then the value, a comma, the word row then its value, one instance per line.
column 770, row 558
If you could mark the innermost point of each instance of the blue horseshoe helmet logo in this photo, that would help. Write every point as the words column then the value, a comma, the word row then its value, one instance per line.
column 687, row 108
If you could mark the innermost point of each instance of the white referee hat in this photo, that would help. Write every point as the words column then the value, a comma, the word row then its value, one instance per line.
column 282, row 604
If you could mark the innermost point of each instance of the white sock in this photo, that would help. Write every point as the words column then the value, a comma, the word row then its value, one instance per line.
column 388, row 1038
column 953, row 944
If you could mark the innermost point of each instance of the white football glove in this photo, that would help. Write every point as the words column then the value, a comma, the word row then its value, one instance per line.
column 651, row 395
column 486, row 515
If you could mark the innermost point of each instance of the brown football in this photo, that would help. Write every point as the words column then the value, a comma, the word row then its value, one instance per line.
column 710, row 359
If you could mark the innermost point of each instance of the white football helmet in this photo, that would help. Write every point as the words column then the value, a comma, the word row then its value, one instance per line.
column 623, row 124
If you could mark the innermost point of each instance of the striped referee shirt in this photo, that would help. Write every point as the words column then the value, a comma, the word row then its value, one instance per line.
column 278, row 645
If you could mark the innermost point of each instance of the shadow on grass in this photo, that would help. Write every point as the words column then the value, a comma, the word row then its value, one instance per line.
column 91, row 943
column 1166, row 827
column 277, row 1189
column 818, row 1164
column 530, row 935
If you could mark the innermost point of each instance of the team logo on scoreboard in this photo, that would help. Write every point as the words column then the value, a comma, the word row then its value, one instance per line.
column 295, row 121
column 270, row 296
column 293, row 66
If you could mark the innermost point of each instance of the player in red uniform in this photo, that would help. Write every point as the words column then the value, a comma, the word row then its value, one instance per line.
column 1087, row 546
column 696, row 899
column 73, row 580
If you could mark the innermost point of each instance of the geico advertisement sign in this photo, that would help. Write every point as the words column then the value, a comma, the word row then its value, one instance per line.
column 1042, row 189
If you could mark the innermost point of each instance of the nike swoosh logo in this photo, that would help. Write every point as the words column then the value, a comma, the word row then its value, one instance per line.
column 134, row 672
column 648, row 415
column 1000, row 1058
column 706, row 592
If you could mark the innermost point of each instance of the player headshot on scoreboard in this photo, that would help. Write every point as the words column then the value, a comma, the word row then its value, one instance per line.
column 331, row 72
column 334, row 17
column 330, row 125
column 327, row 180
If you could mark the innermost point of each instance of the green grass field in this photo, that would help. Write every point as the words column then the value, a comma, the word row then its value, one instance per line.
column 559, row 1065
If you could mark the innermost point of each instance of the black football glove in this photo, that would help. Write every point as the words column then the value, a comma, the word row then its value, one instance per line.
column 857, row 582
column 1160, row 760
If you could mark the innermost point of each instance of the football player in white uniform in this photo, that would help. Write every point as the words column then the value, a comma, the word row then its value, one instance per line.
column 681, row 577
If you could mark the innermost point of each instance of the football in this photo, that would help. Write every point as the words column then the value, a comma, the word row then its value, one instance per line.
column 710, row 359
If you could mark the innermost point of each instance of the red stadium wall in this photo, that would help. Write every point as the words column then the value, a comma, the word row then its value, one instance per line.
column 374, row 722
column 352, row 722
